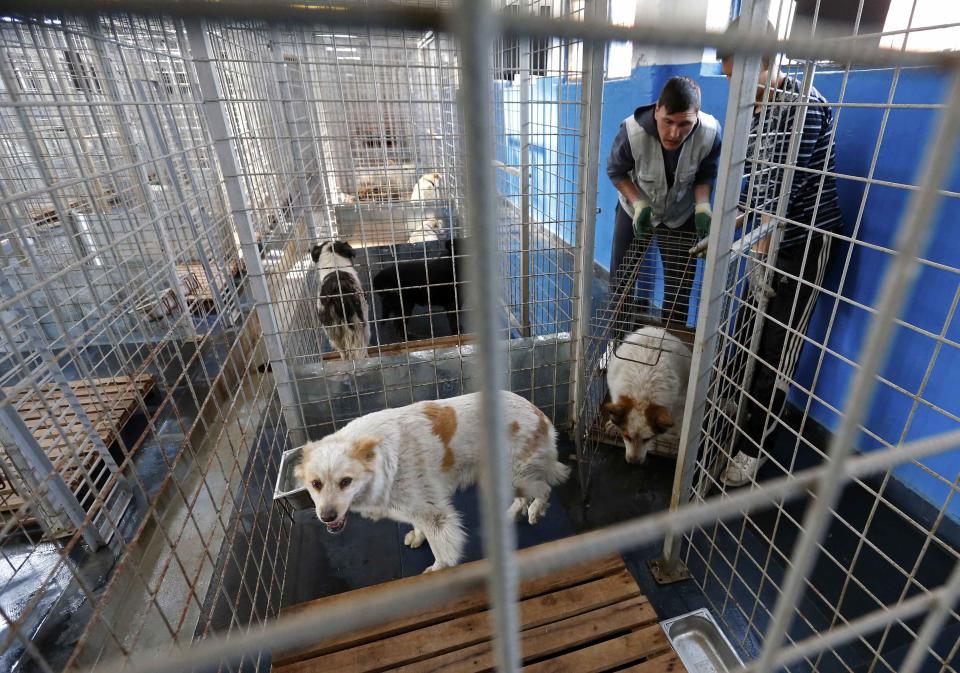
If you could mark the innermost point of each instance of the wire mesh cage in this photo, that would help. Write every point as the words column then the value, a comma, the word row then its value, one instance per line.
column 780, row 313
column 228, row 230
column 651, row 289
column 161, row 357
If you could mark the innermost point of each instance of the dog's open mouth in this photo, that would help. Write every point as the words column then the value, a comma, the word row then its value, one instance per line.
column 337, row 526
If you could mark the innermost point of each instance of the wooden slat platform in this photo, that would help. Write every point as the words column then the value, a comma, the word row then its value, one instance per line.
column 120, row 396
column 197, row 284
column 584, row 619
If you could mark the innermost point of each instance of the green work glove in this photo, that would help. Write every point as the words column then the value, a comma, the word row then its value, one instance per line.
column 701, row 219
column 642, row 214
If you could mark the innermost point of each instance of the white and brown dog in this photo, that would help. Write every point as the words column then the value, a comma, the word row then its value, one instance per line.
column 647, row 379
column 405, row 464
column 342, row 306
column 426, row 231
column 427, row 188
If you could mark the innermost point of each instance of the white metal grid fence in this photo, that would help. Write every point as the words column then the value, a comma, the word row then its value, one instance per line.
column 782, row 594
column 240, row 136
column 127, row 345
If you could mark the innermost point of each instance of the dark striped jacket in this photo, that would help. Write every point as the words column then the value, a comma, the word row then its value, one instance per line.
column 810, row 202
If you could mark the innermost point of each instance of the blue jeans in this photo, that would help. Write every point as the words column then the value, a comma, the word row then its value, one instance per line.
column 679, row 269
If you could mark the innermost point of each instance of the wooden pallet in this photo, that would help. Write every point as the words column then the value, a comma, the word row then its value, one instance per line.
column 197, row 284
column 120, row 398
column 587, row 618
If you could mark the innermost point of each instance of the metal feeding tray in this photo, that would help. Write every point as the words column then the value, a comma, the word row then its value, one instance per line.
column 288, row 490
column 701, row 645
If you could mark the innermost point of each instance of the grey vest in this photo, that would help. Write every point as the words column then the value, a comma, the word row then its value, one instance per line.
column 671, row 207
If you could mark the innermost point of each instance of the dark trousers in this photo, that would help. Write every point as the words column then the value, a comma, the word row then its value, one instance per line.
column 679, row 269
column 779, row 347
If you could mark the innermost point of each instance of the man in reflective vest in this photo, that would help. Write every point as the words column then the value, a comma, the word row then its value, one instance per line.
column 663, row 163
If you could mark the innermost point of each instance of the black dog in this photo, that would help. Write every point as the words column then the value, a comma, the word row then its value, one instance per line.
column 435, row 282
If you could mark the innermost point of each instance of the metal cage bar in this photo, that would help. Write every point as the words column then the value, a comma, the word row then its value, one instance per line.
column 222, row 134
column 281, row 112
column 733, row 156
column 475, row 33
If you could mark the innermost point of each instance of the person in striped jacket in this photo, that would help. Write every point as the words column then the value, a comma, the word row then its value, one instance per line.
column 810, row 214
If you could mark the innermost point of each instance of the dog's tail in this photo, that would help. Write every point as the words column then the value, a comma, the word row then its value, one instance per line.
column 357, row 337
column 557, row 473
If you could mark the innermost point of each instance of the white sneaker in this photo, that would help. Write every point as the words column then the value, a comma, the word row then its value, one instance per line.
column 742, row 469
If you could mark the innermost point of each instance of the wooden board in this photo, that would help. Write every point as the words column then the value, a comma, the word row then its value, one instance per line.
column 411, row 346
column 108, row 403
column 197, row 284
column 587, row 618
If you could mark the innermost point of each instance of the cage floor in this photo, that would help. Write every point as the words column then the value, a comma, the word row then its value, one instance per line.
column 120, row 397
column 588, row 618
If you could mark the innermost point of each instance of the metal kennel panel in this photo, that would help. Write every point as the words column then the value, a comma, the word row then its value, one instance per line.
column 133, row 450
column 543, row 173
column 351, row 119
column 803, row 572
column 193, row 571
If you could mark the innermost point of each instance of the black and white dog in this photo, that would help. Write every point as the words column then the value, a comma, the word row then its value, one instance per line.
column 433, row 282
column 340, row 301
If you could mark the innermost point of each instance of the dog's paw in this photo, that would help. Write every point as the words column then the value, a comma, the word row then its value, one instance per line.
column 610, row 428
column 517, row 509
column 435, row 567
column 536, row 511
column 414, row 539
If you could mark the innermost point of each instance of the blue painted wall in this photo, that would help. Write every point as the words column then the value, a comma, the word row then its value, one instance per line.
column 898, row 160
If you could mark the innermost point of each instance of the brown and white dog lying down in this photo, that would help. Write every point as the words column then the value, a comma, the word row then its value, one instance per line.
column 647, row 379
column 405, row 464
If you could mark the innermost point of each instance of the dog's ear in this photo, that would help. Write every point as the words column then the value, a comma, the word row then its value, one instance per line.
column 618, row 412
column 315, row 253
column 343, row 249
column 659, row 418
column 365, row 449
